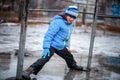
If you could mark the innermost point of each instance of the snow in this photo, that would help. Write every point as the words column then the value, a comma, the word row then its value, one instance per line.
column 107, row 44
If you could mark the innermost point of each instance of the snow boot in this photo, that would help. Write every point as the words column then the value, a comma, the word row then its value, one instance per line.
column 77, row 68
column 80, row 68
column 26, row 73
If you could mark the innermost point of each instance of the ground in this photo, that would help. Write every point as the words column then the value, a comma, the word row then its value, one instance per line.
column 56, row 69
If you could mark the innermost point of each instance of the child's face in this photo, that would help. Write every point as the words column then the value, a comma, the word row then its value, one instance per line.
column 70, row 19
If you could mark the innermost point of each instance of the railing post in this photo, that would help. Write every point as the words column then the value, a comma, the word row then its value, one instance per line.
column 92, row 35
column 23, row 8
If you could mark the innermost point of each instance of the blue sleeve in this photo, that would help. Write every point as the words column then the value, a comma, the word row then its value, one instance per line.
column 52, row 30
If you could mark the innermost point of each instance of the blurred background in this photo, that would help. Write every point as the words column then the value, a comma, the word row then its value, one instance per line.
column 10, row 10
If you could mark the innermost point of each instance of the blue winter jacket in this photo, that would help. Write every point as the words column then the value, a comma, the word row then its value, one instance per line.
column 58, row 33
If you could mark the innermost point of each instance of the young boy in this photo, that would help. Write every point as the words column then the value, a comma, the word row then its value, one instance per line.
column 56, row 40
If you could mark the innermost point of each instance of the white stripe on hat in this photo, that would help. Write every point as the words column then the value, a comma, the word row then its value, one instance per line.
column 73, row 7
column 71, row 13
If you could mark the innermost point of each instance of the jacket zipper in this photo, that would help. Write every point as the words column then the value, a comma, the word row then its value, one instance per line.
column 68, row 36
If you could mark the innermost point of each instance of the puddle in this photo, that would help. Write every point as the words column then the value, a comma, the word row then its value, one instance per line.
column 5, row 58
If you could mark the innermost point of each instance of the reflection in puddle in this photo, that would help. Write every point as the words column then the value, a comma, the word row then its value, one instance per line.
column 70, row 75
column 5, row 60
column 7, row 65
column 87, row 75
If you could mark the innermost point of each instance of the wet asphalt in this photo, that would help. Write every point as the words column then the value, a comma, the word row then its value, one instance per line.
column 56, row 68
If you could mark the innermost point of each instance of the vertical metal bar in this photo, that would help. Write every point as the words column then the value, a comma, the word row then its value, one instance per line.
column 84, row 17
column 92, row 35
column 23, row 6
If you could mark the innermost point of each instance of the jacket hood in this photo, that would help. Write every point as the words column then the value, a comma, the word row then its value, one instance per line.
column 60, row 17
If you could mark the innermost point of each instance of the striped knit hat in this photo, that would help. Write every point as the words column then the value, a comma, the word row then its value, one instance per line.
column 72, row 11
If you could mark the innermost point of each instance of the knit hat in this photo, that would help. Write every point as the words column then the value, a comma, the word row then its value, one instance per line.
column 72, row 11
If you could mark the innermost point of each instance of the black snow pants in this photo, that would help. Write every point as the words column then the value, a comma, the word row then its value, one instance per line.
column 64, row 53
